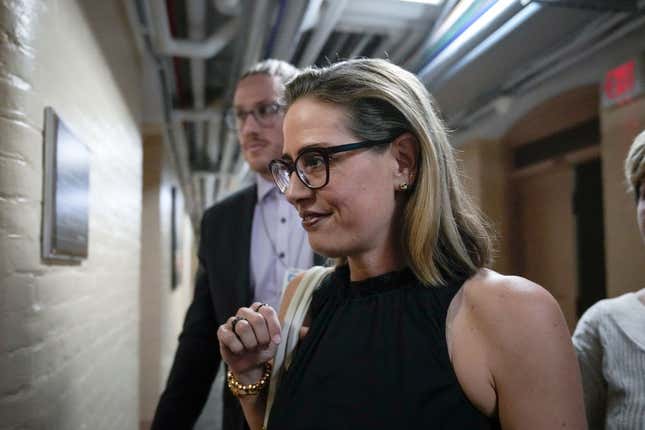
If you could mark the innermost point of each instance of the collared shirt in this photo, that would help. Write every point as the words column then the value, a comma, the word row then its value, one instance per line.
column 278, row 243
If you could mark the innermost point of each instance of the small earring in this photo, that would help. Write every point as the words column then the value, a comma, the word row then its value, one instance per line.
column 403, row 186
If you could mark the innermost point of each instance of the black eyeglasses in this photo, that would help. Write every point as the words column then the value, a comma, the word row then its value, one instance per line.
column 312, row 164
column 264, row 114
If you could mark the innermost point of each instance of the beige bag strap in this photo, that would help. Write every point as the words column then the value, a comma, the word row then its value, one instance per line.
column 293, row 320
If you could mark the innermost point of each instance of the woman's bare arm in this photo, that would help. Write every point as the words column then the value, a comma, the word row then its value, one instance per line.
column 526, row 347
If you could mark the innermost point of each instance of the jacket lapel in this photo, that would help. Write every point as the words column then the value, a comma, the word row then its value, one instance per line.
column 243, row 290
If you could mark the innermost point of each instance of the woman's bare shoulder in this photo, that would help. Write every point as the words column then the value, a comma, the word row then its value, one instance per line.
column 513, row 314
column 496, row 298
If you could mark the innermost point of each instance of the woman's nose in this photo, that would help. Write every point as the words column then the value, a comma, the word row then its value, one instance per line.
column 296, row 190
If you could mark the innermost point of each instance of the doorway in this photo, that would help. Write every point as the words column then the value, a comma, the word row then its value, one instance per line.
column 590, row 234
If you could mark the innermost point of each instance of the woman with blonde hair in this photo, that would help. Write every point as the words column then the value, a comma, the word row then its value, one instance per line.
column 409, row 329
column 610, row 336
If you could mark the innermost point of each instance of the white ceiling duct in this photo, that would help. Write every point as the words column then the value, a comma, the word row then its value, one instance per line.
column 168, row 45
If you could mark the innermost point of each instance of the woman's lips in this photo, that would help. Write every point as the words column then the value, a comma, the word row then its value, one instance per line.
column 310, row 220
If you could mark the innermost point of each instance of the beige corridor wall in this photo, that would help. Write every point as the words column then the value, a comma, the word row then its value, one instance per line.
column 485, row 168
column 624, row 249
column 162, row 308
column 69, row 334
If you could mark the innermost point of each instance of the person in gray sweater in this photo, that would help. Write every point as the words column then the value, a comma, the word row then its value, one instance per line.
column 610, row 337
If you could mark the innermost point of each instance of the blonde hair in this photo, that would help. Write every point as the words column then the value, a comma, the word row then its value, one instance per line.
column 443, row 234
column 635, row 165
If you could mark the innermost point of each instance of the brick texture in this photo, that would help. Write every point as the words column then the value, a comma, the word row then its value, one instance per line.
column 69, row 339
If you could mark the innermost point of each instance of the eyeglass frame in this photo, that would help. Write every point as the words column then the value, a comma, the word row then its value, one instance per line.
column 325, row 151
column 231, row 115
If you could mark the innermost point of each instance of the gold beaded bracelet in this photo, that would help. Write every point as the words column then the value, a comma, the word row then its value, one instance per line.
column 240, row 390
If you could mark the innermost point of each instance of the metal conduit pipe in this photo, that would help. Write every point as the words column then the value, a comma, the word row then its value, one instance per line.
column 416, row 61
column 365, row 39
column 255, row 41
column 196, row 31
column 467, row 118
column 491, row 40
column 274, row 29
column 285, row 42
column 177, row 155
column 320, row 35
column 228, row 7
column 168, row 45
column 570, row 61
column 472, row 36
column 594, row 30
column 406, row 44
column 383, row 48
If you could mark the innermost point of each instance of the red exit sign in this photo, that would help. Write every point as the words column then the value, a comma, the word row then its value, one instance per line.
column 623, row 83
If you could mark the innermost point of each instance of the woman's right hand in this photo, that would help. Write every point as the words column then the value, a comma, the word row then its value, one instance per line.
column 247, row 344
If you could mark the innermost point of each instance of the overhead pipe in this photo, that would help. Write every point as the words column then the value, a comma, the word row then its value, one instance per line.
column 472, row 36
column 228, row 7
column 288, row 35
column 593, row 30
column 467, row 118
column 274, row 29
column 622, row 31
column 337, row 48
column 415, row 62
column 256, row 37
column 484, row 45
column 365, row 39
column 407, row 43
column 383, row 48
column 176, row 149
column 320, row 35
column 196, row 31
column 168, row 45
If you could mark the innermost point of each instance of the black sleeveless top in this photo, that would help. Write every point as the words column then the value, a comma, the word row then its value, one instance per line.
column 375, row 357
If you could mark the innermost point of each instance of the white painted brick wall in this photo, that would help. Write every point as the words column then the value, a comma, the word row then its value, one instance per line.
column 69, row 342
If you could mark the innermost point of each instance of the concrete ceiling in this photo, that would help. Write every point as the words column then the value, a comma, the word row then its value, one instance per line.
column 197, row 48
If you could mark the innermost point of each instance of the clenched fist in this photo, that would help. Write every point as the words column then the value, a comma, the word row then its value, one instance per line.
column 248, row 340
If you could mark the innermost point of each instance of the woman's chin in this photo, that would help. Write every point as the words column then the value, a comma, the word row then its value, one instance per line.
column 325, row 248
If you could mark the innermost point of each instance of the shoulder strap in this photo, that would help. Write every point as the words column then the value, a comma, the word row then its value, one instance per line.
column 293, row 320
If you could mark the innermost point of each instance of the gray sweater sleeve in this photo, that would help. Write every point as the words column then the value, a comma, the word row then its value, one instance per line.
column 590, row 351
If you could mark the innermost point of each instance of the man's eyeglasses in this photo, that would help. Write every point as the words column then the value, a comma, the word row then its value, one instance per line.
column 264, row 114
column 312, row 164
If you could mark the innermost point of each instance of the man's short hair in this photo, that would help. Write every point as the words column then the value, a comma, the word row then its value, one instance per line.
column 272, row 67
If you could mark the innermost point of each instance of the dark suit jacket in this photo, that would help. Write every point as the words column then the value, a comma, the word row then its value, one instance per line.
column 222, row 286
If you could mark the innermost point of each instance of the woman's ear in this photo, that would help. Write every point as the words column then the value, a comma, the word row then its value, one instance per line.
column 405, row 150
